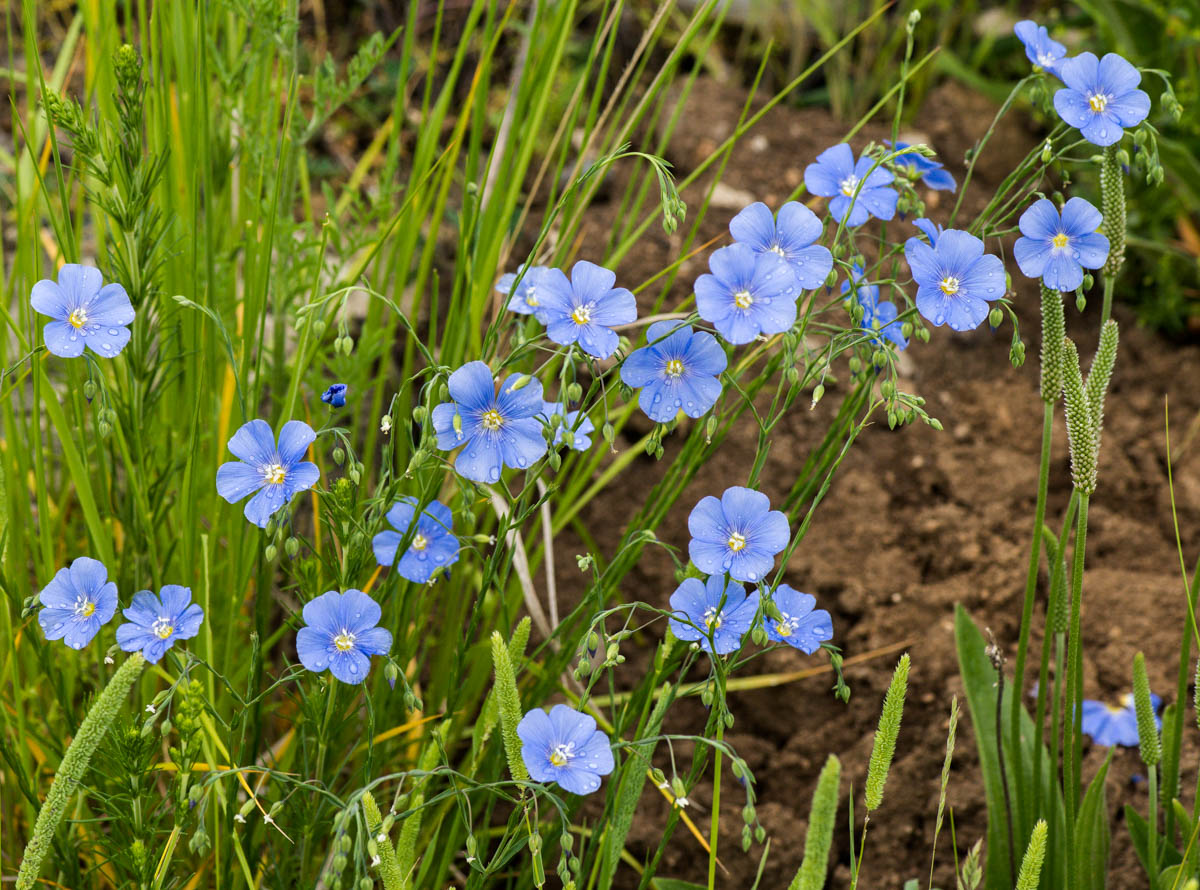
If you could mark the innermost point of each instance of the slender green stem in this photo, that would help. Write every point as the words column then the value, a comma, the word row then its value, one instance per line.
column 715, row 825
column 1152, row 820
column 1072, row 723
column 1106, row 306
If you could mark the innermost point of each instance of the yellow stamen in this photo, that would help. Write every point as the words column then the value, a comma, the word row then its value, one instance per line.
column 491, row 420
column 949, row 285
column 344, row 641
column 78, row 318
column 419, row 542
column 1060, row 240
column 162, row 628
column 274, row 474
column 582, row 314
column 674, row 368
column 742, row 299
column 712, row 618
column 736, row 542
column 1098, row 102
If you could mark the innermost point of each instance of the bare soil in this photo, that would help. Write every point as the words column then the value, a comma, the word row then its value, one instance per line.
column 918, row 521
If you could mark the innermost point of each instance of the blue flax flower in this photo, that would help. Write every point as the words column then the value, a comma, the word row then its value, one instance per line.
column 1039, row 48
column 78, row 602
column 1058, row 248
column 1101, row 97
column 678, row 371
column 85, row 311
column 792, row 235
column 341, row 634
column 739, row 534
column 874, row 310
column 800, row 626
column 276, row 472
column 586, row 308
column 335, row 396
column 836, row 175
column 955, row 279
column 526, row 298
column 713, row 608
column 747, row 293
column 931, row 230
column 580, row 428
column 499, row 430
column 932, row 173
column 433, row 543
column 156, row 621
column 1109, row 725
column 565, row 746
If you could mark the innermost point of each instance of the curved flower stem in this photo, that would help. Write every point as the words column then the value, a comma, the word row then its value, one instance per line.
column 715, row 824
column 74, row 766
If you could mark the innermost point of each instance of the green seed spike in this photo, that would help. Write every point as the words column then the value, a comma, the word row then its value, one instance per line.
column 821, row 819
column 389, row 868
column 1196, row 694
column 885, row 736
column 1080, row 431
column 510, row 706
column 1054, row 329
column 1148, row 742
column 1031, row 863
column 1096, row 387
column 74, row 766
column 1112, row 205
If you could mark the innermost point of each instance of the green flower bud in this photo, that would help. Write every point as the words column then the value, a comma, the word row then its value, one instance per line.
column 419, row 414
column 574, row 392
column 339, row 455
column 270, row 552
column 996, row 317
column 291, row 546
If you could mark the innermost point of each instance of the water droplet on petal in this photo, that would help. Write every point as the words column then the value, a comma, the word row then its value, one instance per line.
column 112, row 332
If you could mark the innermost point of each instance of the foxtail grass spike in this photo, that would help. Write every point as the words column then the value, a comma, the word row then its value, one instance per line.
column 1099, row 375
column 74, row 767
column 1080, row 430
column 1031, row 863
column 389, row 868
column 1054, row 329
column 821, row 819
column 1148, row 743
column 510, row 706
column 885, row 736
column 1112, row 206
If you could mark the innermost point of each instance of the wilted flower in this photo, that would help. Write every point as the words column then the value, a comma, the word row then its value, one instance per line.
column 433, row 543
column 565, row 746
column 747, row 293
column 955, row 279
column 341, row 634
column 836, row 175
column 713, row 608
column 156, row 621
column 586, row 308
column 1057, row 248
column 678, row 370
column 85, row 312
column 78, row 601
column 739, row 534
column 276, row 473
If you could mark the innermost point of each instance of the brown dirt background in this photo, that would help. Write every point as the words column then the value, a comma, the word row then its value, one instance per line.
column 917, row 521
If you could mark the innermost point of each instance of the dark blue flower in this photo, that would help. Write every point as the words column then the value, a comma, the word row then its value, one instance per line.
column 341, row 634
column 1057, row 248
column 792, row 235
column 575, row 423
column 932, row 230
column 1109, row 725
column 433, row 543
column 586, row 308
column 836, row 175
column 713, row 609
column 932, row 173
column 1101, row 97
column 739, row 534
column 879, row 317
column 156, row 621
column 526, row 299
column 335, row 396
column 747, row 293
column 498, row 430
column 800, row 625
column 78, row 602
column 678, row 370
column 276, row 473
column 955, row 279
column 565, row 746
column 1039, row 48
column 85, row 312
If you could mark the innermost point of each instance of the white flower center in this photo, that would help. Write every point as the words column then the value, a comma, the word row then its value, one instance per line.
column 949, row 285
column 743, row 300
column 775, row 248
column 1060, row 240
column 1098, row 101
column 786, row 625
column 84, row 607
column 674, row 368
column 531, row 296
column 274, row 473
column 849, row 184
column 712, row 618
column 419, row 542
column 344, row 641
column 562, row 753
column 583, row 314
column 162, row 627
column 78, row 318
column 1045, row 59
column 491, row 420
column 736, row 542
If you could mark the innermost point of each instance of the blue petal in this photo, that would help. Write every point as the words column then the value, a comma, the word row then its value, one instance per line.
column 1041, row 220
column 931, row 229
column 881, row 202
column 521, row 443
column 597, row 341
column 88, row 575
column 1073, row 107
column 374, row 641
column 385, row 544
column 984, row 278
column 811, row 265
column 1093, row 249
column 753, row 226
column 111, row 307
column 1117, row 76
column 1080, row 217
column 313, row 648
column 79, row 284
column 471, row 386
column 107, row 341
column 48, row 299
column 188, row 624
column 481, row 460
column 640, row 367
column 254, row 443
column 320, row 613
column 174, row 599
column 798, row 227
column 1062, row 271
column 300, row 477
column 617, row 307
column 235, row 480
column 591, row 282
column 1031, row 256
column 443, row 426
column 965, row 313
column 707, row 521
column 1130, row 109
column 63, row 339
column 1103, row 130
column 294, row 439
column 351, row 666
column 957, row 252
column 260, row 508
column 1080, row 73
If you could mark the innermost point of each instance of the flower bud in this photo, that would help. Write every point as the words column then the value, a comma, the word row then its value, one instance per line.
column 574, row 392
column 996, row 317
column 291, row 546
column 89, row 390
column 338, row 455
column 270, row 552
column 419, row 414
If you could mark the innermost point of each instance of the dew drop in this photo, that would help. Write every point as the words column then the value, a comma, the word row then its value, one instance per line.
column 494, row 474
column 112, row 332
column 939, row 319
